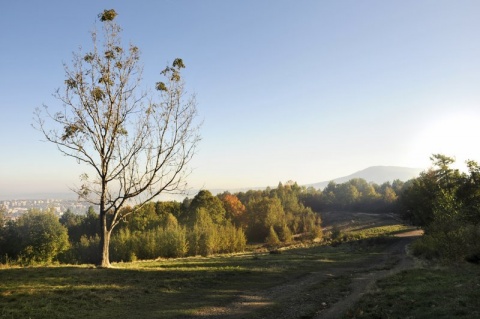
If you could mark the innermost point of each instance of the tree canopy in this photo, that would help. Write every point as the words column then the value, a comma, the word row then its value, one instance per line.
column 445, row 203
column 36, row 237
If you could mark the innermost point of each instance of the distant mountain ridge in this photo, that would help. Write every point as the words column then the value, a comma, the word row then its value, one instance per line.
column 376, row 174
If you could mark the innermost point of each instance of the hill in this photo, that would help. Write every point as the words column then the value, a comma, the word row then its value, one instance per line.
column 376, row 174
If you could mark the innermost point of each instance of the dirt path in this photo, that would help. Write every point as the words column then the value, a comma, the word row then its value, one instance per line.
column 312, row 289
column 364, row 280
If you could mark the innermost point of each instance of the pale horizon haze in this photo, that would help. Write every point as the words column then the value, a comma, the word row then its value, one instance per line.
column 287, row 90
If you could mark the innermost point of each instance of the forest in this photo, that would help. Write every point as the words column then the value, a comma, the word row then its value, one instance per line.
column 203, row 225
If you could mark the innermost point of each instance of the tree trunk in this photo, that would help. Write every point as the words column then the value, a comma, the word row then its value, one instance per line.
column 104, row 242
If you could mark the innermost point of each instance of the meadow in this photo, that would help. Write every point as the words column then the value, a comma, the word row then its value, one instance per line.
column 302, row 281
column 189, row 287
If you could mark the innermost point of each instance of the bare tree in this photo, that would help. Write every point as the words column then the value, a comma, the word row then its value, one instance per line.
column 137, row 147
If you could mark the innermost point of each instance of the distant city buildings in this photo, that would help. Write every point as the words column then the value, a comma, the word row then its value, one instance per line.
column 16, row 208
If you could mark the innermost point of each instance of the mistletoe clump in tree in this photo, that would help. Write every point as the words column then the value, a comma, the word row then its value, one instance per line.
column 136, row 144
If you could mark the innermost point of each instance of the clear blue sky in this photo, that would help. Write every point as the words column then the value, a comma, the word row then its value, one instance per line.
column 288, row 90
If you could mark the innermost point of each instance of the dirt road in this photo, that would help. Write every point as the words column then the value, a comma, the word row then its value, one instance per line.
column 318, row 291
column 394, row 260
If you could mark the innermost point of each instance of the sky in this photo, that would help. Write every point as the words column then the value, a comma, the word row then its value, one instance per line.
column 305, row 90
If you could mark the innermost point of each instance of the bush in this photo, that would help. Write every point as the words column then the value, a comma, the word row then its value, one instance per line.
column 170, row 241
column 455, row 244
column 232, row 240
column 272, row 239
column 286, row 235
column 124, row 245
column 207, row 239
column 87, row 249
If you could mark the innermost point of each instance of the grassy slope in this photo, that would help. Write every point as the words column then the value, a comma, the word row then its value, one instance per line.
column 447, row 292
column 431, row 291
column 158, row 289
column 183, row 287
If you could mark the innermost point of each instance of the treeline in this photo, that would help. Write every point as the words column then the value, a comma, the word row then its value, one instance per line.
column 203, row 225
column 356, row 194
column 446, row 204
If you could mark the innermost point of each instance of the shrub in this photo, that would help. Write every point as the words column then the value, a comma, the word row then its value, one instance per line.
column 232, row 239
column 124, row 243
column 172, row 241
column 87, row 249
column 272, row 239
column 455, row 244
column 286, row 234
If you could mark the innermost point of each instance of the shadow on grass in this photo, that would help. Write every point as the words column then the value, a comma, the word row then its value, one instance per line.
column 448, row 292
column 69, row 292
column 158, row 289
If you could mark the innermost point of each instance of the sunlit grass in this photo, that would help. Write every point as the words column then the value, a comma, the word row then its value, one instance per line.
column 184, row 287
column 386, row 230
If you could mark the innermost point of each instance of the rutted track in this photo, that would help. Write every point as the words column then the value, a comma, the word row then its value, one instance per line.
column 364, row 279
column 311, row 290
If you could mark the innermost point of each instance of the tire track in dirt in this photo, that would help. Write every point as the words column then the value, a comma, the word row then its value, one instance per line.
column 364, row 280
column 297, row 294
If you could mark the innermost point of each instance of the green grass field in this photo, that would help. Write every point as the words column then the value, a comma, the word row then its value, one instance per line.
column 446, row 292
column 305, row 279
column 163, row 289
